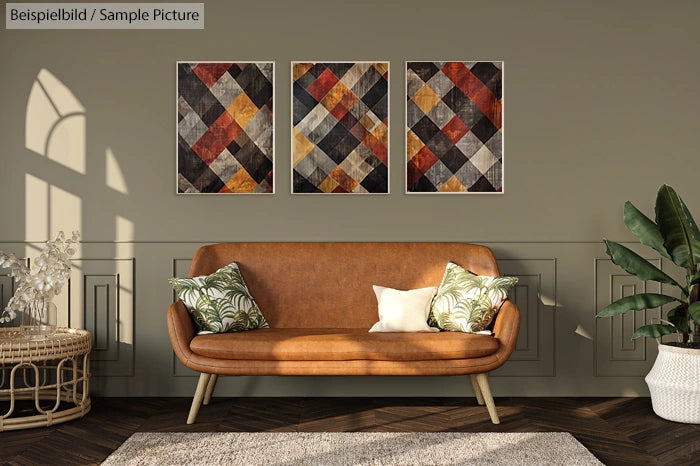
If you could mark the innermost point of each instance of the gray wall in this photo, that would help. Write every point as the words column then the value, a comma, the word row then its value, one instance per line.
column 600, row 107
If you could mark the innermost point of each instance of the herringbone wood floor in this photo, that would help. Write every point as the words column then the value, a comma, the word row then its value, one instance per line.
column 616, row 430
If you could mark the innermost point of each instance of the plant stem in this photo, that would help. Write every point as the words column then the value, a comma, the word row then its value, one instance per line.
column 692, row 298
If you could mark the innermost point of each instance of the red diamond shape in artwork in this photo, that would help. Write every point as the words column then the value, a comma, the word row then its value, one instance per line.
column 339, row 111
column 424, row 159
column 319, row 88
column 217, row 138
column 377, row 148
column 475, row 90
column 455, row 129
column 413, row 173
column 209, row 73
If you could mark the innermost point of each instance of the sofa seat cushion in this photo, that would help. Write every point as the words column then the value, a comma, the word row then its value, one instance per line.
column 304, row 344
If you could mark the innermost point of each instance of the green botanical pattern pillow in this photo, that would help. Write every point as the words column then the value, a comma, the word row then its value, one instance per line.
column 466, row 302
column 220, row 302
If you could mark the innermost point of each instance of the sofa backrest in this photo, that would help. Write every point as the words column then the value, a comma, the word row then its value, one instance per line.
column 329, row 285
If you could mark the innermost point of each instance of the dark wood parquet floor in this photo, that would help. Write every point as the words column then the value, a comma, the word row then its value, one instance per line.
column 618, row 431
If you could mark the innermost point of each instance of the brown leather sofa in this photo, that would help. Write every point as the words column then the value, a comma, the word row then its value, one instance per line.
column 319, row 302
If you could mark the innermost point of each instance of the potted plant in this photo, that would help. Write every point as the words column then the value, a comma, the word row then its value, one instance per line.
column 674, row 381
column 33, row 297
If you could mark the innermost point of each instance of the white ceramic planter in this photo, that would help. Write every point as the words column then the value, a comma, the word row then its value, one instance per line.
column 674, row 383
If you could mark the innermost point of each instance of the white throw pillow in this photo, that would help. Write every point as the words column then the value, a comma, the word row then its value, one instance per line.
column 403, row 311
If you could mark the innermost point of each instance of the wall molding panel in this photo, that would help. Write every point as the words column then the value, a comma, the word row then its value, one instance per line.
column 534, row 351
column 616, row 353
column 7, row 288
column 101, row 299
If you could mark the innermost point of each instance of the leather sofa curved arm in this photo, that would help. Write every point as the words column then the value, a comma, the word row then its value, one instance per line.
column 181, row 330
column 506, row 327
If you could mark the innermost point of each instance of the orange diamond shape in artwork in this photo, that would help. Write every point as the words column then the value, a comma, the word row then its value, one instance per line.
column 335, row 95
column 343, row 179
column 302, row 146
column 241, row 182
column 242, row 109
column 425, row 98
column 368, row 122
column 300, row 69
column 413, row 144
column 453, row 185
column 328, row 185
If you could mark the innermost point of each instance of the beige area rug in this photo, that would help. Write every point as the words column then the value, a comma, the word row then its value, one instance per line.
column 352, row 448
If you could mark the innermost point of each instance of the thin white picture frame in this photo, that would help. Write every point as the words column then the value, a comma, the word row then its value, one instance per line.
column 502, row 130
column 291, row 126
column 274, row 110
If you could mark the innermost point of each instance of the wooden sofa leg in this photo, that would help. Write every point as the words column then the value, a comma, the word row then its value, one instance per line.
column 482, row 380
column 210, row 389
column 477, row 390
column 198, row 396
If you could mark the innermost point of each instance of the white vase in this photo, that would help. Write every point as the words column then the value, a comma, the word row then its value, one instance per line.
column 674, row 383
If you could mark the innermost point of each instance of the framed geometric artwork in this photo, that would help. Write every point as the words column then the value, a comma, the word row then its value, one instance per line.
column 454, row 127
column 340, row 127
column 225, row 127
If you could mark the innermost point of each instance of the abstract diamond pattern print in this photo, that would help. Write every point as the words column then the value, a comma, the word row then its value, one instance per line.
column 340, row 127
column 454, row 137
column 225, row 127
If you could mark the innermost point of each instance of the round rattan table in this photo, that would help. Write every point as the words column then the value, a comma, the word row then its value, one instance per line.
column 52, row 370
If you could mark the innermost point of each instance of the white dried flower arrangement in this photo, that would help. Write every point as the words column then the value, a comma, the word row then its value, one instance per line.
column 35, row 292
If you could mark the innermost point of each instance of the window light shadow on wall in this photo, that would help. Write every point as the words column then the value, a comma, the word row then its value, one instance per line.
column 70, row 185
column 55, row 128
column 55, row 125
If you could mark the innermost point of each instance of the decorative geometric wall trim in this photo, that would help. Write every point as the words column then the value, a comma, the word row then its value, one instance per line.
column 225, row 127
column 454, row 134
column 100, row 299
column 7, row 289
column 616, row 354
column 340, row 127
column 534, row 350
column 180, row 269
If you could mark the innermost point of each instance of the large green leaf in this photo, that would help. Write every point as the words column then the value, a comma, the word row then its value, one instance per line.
column 694, row 311
column 680, row 232
column 635, row 302
column 635, row 264
column 654, row 331
column 678, row 317
column 644, row 228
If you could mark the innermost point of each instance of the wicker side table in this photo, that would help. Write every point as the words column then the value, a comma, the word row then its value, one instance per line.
column 54, row 369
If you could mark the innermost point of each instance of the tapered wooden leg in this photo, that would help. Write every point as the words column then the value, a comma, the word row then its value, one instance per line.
column 198, row 395
column 483, row 382
column 477, row 390
column 210, row 389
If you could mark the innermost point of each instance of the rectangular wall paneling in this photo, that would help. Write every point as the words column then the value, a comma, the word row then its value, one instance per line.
column 616, row 353
column 534, row 351
column 101, row 300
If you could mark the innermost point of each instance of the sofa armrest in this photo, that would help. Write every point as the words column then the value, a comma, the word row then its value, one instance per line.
column 181, row 330
column 506, row 327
